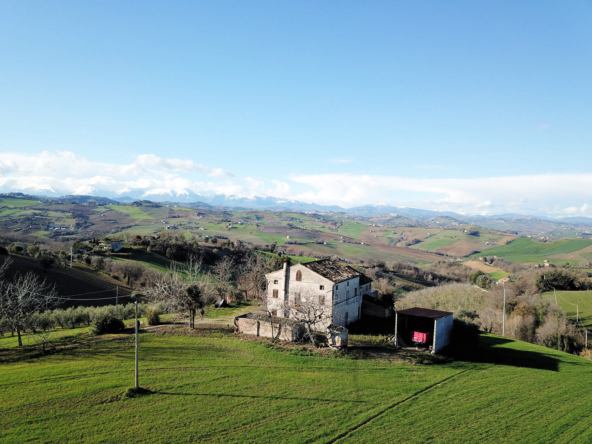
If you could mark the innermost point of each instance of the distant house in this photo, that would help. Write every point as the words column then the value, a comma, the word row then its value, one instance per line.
column 325, row 284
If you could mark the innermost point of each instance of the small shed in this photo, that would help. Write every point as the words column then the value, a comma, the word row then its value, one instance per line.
column 422, row 327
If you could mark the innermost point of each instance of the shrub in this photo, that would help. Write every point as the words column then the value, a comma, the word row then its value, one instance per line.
column 15, row 248
column 151, row 313
column 3, row 250
column 475, row 275
column 106, row 323
column 586, row 354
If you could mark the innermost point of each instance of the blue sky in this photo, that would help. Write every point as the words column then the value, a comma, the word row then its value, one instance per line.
column 348, row 103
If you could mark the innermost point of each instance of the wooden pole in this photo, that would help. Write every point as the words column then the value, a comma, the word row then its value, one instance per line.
column 137, row 380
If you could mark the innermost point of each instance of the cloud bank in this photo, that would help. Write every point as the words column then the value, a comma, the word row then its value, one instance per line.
column 64, row 172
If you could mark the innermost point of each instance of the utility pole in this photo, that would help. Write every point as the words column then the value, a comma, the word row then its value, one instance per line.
column 504, row 315
column 117, row 301
column 137, row 380
column 71, row 255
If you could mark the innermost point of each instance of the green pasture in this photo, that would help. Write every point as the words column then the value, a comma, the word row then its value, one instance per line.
column 433, row 244
column 572, row 302
column 155, row 261
column 497, row 275
column 525, row 249
column 352, row 230
column 139, row 230
column 135, row 212
column 294, row 259
column 9, row 212
column 215, row 387
column 13, row 202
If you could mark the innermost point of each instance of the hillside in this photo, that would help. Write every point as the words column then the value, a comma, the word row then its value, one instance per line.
column 527, row 250
column 89, row 287
column 215, row 387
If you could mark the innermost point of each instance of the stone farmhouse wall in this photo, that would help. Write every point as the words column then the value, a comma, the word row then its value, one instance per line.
column 277, row 329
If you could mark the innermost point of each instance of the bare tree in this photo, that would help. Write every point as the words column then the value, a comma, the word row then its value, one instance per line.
column 182, row 289
column 22, row 297
column 251, row 276
column 224, row 272
column 307, row 309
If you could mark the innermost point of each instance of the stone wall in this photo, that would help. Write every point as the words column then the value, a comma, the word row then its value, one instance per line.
column 277, row 328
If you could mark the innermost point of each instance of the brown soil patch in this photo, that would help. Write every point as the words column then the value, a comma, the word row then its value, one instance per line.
column 505, row 240
column 481, row 266
column 460, row 248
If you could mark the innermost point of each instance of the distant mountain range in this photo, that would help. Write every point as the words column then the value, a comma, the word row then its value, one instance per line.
column 512, row 222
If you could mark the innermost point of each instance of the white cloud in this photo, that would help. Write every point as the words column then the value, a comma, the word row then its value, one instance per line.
column 67, row 173
column 491, row 195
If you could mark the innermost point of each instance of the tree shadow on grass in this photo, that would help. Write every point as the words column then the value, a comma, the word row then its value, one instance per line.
column 492, row 351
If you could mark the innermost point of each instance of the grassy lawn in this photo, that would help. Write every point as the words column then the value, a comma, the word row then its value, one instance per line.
column 215, row 387
column 568, row 300
column 497, row 275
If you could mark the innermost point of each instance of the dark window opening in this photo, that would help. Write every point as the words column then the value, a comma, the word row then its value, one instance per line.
column 299, row 276
column 275, row 294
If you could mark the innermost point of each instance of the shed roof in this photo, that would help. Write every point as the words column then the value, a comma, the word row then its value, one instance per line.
column 425, row 313
column 332, row 270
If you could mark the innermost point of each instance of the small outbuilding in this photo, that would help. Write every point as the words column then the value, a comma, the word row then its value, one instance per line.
column 424, row 328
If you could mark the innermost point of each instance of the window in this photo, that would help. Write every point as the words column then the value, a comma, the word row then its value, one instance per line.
column 274, row 313
column 346, row 318
column 347, row 294
column 297, row 299
column 355, row 291
column 321, row 299
column 275, row 281
column 322, row 287
column 337, row 287
column 299, row 276
column 275, row 293
column 348, row 283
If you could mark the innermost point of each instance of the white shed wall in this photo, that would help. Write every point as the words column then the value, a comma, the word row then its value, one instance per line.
column 442, row 332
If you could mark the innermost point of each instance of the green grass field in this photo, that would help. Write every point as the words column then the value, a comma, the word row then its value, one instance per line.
column 497, row 275
column 218, row 388
column 574, row 301
column 14, row 202
column 135, row 212
column 525, row 249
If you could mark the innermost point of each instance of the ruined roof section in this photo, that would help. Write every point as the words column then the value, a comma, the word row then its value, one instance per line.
column 332, row 270
column 364, row 279
column 425, row 313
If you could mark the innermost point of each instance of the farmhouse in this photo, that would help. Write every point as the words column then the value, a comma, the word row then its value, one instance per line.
column 332, row 291
column 422, row 327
